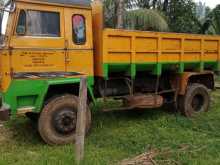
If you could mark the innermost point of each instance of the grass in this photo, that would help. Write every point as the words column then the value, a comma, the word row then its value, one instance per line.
column 119, row 135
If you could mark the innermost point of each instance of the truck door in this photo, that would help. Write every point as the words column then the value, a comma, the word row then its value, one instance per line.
column 78, row 35
column 37, row 44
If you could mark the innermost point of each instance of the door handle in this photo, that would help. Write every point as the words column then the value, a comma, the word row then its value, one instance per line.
column 66, row 44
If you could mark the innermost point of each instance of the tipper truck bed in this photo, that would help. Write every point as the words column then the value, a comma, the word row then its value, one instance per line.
column 135, row 51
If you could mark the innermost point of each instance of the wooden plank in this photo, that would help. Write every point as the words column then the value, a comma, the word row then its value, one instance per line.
column 81, row 121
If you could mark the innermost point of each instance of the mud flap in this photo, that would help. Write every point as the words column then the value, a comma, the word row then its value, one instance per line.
column 4, row 113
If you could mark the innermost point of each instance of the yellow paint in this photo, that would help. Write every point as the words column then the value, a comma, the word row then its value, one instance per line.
column 46, row 54
column 5, row 77
column 80, row 61
column 168, row 47
column 79, row 57
column 38, row 60
column 98, row 26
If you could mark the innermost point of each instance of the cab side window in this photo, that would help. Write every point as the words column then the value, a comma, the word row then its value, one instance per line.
column 79, row 29
column 21, row 27
column 38, row 23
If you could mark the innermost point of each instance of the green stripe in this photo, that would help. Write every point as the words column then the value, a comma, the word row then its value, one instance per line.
column 157, row 68
column 31, row 92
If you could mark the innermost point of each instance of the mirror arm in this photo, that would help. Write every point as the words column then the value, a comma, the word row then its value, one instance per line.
column 11, row 10
column 1, row 25
column 8, row 2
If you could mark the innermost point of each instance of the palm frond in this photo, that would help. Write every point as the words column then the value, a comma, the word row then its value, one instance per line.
column 215, row 23
column 145, row 19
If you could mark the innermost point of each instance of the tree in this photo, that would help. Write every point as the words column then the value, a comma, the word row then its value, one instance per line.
column 210, row 24
column 165, row 5
column 214, row 16
column 200, row 10
column 138, row 17
column 139, row 3
column 145, row 19
column 120, row 13
column 146, row 4
column 181, row 16
column 110, row 10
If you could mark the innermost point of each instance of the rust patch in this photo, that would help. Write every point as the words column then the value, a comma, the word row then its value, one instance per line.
column 144, row 101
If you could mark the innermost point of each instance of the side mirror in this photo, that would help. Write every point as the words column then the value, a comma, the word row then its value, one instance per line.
column 12, row 7
column 9, row 6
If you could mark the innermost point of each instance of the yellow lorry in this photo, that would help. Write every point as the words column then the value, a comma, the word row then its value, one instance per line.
column 47, row 45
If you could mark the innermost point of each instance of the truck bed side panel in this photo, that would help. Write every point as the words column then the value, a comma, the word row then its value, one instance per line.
column 133, row 51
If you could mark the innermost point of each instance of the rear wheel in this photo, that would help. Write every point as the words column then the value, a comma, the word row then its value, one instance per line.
column 57, row 121
column 195, row 101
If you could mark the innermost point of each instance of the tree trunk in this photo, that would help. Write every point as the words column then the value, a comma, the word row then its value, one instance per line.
column 120, row 12
column 154, row 4
column 165, row 5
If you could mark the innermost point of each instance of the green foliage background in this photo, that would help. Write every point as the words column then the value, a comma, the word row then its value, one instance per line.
column 214, row 16
column 163, row 15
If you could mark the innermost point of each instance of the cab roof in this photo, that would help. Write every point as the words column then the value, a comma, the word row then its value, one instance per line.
column 85, row 3
column 79, row 3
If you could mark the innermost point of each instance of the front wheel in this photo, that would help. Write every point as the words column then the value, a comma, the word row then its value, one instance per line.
column 195, row 101
column 57, row 121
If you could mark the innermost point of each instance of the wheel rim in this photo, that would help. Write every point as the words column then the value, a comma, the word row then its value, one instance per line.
column 65, row 121
column 197, row 103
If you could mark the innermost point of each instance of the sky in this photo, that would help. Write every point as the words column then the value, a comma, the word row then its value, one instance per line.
column 210, row 3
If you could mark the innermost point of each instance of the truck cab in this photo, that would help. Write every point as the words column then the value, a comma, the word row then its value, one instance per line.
column 45, row 47
column 43, row 39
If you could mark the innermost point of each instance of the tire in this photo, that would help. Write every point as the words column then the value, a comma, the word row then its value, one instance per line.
column 57, row 121
column 195, row 101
